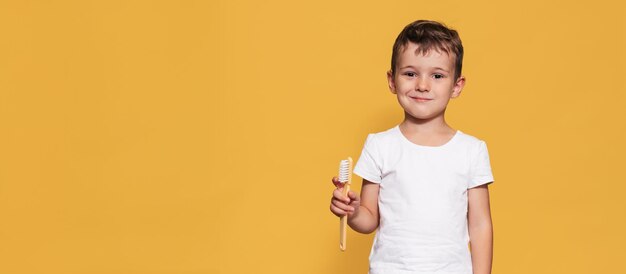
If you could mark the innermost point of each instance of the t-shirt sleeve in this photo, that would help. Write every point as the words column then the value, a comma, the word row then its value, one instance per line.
column 481, row 167
column 368, row 166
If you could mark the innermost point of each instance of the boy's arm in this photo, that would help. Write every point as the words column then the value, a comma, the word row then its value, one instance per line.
column 365, row 219
column 480, row 229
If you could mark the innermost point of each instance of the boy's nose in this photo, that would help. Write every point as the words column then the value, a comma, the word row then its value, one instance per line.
column 422, row 85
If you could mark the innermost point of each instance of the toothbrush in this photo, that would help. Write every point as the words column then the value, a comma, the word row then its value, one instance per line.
column 345, row 177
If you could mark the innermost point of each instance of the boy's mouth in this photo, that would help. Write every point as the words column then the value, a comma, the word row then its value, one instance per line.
column 420, row 99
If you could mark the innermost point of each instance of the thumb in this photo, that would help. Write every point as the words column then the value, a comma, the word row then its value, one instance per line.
column 336, row 182
column 352, row 195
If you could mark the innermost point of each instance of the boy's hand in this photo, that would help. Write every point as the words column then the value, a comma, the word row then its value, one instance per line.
column 341, row 205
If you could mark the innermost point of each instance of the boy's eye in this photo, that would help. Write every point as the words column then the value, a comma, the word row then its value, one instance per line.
column 438, row 76
column 410, row 74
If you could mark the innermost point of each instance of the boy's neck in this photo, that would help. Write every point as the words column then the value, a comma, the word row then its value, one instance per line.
column 435, row 125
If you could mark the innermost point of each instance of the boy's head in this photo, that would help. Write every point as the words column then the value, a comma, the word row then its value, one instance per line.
column 429, row 35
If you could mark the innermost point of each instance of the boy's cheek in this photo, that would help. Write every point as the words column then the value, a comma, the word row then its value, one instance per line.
column 401, row 85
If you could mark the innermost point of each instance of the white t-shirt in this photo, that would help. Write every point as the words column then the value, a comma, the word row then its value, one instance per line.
column 422, row 201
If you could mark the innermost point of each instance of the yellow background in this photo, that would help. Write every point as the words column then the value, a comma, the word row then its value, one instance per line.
column 201, row 136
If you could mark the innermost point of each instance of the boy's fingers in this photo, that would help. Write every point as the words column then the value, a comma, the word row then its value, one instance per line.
column 337, row 211
column 338, row 194
column 342, row 206
column 336, row 182
column 352, row 195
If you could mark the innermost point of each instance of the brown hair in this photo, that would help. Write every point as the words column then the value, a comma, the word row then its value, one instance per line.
column 430, row 35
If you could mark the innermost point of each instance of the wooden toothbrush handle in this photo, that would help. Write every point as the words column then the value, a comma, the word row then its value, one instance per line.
column 343, row 223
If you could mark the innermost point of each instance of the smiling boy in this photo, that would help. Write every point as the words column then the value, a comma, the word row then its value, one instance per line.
column 425, row 185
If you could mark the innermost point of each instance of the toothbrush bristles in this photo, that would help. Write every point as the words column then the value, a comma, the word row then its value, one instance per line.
column 344, row 171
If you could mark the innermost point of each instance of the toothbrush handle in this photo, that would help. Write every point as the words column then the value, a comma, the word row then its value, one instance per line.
column 343, row 223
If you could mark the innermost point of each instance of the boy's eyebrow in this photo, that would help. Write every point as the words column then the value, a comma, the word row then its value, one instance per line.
column 437, row 68
column 441, row 69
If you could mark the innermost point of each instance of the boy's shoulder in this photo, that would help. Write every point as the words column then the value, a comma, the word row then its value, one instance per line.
column 469, row 138
column 386, row 133
column 386, row 136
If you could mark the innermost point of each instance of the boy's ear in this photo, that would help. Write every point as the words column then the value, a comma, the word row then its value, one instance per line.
column 458, row 86
column 391, row 82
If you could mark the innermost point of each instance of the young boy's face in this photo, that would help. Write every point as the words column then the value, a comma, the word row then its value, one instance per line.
column 424, row 83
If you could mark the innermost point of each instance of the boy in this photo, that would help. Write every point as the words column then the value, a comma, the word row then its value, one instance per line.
column 424, row 183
